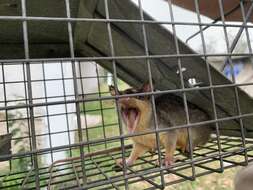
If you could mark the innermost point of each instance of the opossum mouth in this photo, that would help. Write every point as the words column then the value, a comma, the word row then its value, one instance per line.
column 131, row 118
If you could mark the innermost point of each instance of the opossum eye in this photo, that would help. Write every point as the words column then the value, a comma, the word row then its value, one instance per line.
column 145, row 97
column 138, row 97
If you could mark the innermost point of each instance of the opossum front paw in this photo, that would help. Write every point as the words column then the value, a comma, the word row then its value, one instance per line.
column 119, row 162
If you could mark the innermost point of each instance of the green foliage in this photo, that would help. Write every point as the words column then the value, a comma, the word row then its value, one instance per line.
column 20, row 164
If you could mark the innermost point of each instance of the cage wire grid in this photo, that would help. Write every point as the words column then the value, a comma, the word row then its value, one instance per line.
column 90, row 161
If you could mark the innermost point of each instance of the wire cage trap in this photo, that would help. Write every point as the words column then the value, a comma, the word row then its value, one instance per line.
column 60, row 128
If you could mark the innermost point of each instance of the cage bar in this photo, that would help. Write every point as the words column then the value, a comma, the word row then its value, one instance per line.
column 65, row 128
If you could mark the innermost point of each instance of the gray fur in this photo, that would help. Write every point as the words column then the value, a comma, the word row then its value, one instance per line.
column 171, row 112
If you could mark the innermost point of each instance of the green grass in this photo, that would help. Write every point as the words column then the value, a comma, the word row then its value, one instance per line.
column 105, row 109
column 215, row 181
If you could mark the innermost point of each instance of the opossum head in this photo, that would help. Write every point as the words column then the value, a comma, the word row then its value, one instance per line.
column 135, row 110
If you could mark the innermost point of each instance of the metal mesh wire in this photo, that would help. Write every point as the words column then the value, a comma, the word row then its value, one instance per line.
column 90, row 152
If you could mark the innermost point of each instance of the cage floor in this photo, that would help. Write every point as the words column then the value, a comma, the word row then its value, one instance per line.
column 101, row 171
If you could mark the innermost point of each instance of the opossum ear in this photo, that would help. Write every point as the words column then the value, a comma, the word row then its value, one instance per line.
column 113, row 91
column 146, row 87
